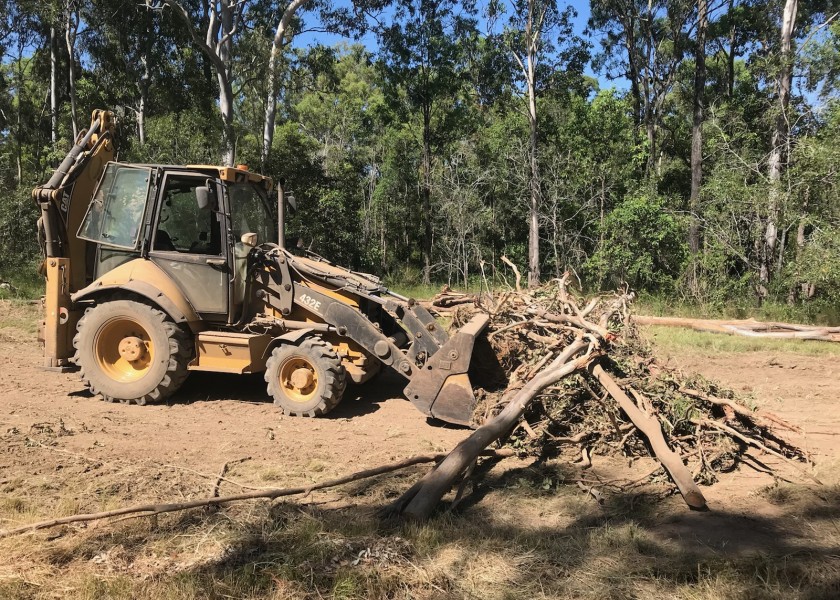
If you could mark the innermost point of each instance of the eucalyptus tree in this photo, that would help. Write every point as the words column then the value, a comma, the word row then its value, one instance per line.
column 282, row 37
column 539, row 35
column 644, row 41
column 423, row 54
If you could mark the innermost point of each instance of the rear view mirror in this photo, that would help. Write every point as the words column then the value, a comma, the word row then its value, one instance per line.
column 206, row 196
column 290, row 199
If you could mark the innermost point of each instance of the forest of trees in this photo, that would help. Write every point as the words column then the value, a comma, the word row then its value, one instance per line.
column 699, row 163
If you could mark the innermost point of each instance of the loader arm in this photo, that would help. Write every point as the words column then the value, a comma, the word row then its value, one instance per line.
column 434, row 363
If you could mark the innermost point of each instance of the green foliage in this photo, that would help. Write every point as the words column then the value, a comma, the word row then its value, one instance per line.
column 18, row 241
column 179, row 138
column 644, row 245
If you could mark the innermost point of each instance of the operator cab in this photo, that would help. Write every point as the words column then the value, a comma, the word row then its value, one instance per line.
column 188, row 221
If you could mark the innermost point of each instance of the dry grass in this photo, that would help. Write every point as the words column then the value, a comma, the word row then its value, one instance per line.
column 18, row 318
column 517, row 543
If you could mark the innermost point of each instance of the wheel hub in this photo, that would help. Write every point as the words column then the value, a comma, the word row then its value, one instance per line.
column 301, row 378
column 132, row 348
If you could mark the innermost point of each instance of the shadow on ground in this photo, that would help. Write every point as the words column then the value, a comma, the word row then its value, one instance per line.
column 627, row 548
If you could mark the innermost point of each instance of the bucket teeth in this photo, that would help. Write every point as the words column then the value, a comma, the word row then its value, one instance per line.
column 443, row 389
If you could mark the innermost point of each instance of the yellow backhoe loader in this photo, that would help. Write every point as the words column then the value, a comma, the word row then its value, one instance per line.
column 153, row 271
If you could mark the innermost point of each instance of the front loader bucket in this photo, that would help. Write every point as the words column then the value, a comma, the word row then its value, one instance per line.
column 442, row 388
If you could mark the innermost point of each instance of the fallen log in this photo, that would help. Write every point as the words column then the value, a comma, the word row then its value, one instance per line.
column 649, row 425
column 422, row 499
column 747, row 328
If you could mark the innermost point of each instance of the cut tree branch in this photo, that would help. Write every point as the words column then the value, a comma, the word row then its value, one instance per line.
column 145, row 510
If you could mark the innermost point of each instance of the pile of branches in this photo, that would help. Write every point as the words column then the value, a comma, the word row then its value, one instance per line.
column 579, row 374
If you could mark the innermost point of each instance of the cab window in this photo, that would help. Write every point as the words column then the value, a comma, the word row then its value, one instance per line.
column 182, row 225
column 115, row 215
column 251, row 213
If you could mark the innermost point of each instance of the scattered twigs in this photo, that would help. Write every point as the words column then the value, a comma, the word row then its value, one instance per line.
column 755, row 443
column 741, row 410
column 145, row 510
column 508, row 262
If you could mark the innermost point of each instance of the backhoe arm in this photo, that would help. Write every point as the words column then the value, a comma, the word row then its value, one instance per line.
column 63, row 201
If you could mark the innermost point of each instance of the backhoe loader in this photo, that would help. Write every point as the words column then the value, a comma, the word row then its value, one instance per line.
column 154, row 271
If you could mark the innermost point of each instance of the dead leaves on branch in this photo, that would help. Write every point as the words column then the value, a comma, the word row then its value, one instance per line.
column 620, row 400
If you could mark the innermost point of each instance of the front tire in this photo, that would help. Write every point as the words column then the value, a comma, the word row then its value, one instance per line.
column 306, row 380
column 131, row 352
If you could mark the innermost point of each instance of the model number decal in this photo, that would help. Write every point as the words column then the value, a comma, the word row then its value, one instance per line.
column 309, row 301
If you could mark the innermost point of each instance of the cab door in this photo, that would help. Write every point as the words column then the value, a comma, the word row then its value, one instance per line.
column 187, row 243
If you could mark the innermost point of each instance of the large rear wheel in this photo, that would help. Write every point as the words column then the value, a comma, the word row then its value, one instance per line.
column 306, row 380
column 131, row 352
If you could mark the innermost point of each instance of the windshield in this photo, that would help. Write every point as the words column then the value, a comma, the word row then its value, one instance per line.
column 115, row 215
column 251, row 213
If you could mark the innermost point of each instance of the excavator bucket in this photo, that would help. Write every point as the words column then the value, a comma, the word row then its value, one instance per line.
column 442, row 388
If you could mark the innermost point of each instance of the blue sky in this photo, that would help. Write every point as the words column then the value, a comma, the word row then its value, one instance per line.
column 311, row 38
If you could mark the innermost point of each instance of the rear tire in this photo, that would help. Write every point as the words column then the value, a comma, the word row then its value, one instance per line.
column 307, row 380
column 131, row 352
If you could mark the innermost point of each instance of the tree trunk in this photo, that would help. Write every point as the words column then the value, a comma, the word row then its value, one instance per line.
column 426, row 195
column 270, row 107
column 225, row 52
column 531, row 36
column 53, row 87
column 796, row 285
column 71, row 29
column 18, row 104
column 280, row 40
column 697, row 128
column 145, row 78
column 730, row 59
column 633, row 68
column 226, row 108
column 650, row 130
column 778, row 143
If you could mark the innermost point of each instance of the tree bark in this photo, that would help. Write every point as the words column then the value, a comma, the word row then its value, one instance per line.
column 281, row 36
column 228, row 17
column 778, row 144
column 53, row 87
column 532, row 34
column 70, row 30
column 697, row 127
column 145, row 76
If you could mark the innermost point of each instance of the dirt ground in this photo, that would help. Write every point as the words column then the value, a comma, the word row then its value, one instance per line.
column 63, row 451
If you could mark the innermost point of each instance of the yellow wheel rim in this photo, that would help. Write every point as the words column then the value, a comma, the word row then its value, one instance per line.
column 123, row 349
column 298, row 379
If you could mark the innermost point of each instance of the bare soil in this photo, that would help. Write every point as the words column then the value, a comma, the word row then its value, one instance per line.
column 63, row 451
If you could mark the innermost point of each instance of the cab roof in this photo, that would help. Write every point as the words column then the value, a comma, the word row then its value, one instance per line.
column 238, row 174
